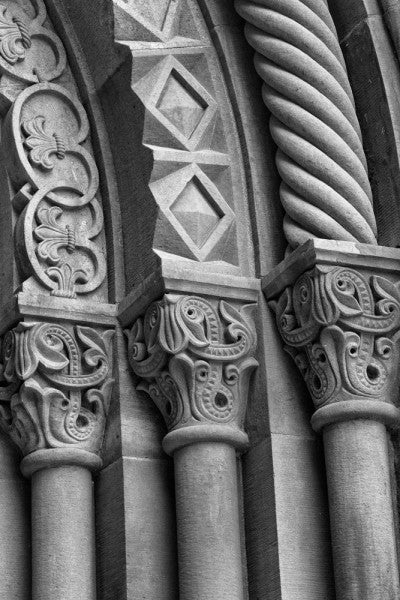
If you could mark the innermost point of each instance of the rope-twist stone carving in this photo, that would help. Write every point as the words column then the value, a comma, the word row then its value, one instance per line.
column 325, row 189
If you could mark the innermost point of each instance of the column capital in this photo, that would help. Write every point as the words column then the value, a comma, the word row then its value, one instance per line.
column 194, row 357
column 340, row 320
column 56, row 391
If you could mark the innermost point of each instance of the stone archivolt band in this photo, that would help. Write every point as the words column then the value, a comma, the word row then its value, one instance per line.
column 46, row 142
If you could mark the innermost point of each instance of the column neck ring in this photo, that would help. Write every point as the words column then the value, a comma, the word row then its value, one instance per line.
column 59, row 457
column 349, row 410
column 195, row 434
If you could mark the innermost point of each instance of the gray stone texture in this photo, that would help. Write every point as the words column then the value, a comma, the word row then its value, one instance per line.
column 153, row 114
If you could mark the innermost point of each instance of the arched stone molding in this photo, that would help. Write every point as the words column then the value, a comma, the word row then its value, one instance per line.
column 193, row 143
column 31, row 161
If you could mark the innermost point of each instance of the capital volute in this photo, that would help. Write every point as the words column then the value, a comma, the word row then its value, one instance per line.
column 341, row 324
column 194, row 358
column 56, row 392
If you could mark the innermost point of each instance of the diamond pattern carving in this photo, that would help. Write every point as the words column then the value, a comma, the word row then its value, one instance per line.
column 154, row 12
column 195, row 213
column 153, row 20
column 182, row 104
column 196, row 210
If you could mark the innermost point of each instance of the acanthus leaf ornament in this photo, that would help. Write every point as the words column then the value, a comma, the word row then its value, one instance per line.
column 14, row 37
column 57, row 232
column 342, row 329
column 20, row 36
column 41, row 144
column 64, row 378
column 194, row 359
column 53, row 235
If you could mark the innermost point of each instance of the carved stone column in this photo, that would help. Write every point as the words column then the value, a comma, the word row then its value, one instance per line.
column 57, row 383
column 338, row 311
column 194, row 358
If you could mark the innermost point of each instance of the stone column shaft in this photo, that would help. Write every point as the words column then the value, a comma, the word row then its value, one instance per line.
column 361, row 510
column 194, row 358
column 63, row 541
column 208, row 522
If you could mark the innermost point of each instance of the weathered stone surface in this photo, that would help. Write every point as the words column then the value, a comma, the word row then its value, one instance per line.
column 58, row 384
column 207, row 504
column 63, row 534
column 194, row 357
column 194, row 166
column 280, row 506
column 15, row 523
column 374, row 75
column 325, row 191
column 341, row 324
column 135, row 514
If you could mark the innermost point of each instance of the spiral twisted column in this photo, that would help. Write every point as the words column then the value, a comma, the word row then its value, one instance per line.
column 325, row 189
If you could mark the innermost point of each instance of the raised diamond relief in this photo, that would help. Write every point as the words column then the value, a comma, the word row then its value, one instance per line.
column 196, row 214
column 181, row 104
column 147, row 20
column 197, row 211
column 155, row 12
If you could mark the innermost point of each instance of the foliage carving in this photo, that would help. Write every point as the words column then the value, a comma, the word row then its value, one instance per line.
column 342, row 329
column 194, row 360
column 59, row 385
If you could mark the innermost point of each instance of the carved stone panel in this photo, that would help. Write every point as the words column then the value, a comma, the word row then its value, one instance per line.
column 342, row 328
column 29, row 51
column 57, row 215
column 194, row 358
column 57, row 383
column 197, row 178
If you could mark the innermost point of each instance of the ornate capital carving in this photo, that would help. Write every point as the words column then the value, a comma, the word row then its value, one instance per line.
column 342, row 326
column 56, row 386
column 194, row 358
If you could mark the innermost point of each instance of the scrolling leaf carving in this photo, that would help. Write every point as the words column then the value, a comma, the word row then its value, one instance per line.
column 42, row 144
column 57, row 230
column 64, row 380
column 194, row 360
column 24, row 41
column 342, row 329
column 14, row 37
